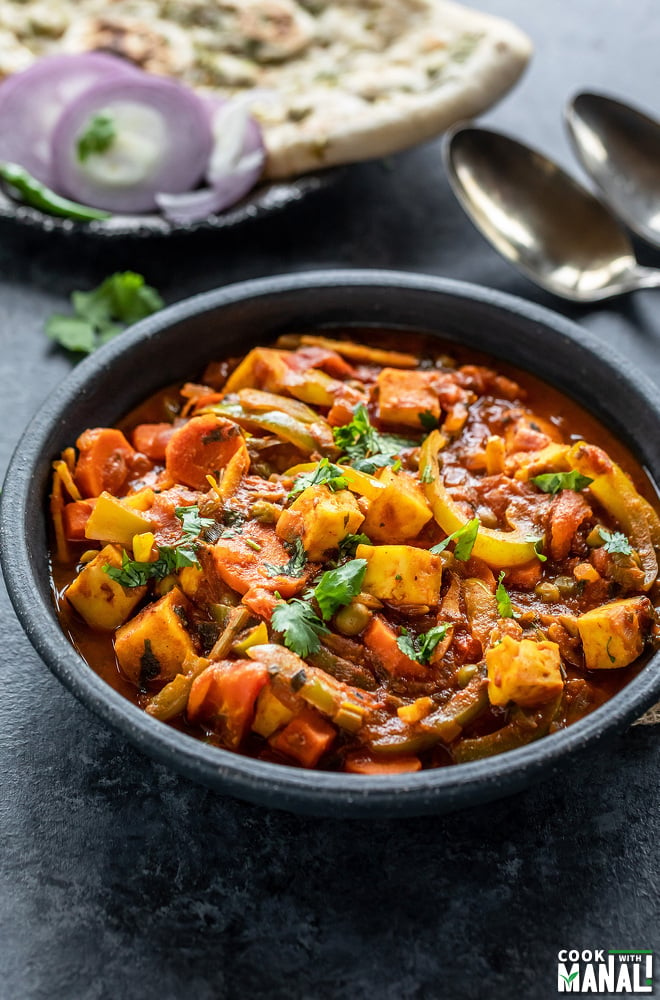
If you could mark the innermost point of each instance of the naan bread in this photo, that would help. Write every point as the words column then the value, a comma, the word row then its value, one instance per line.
column 331, row 81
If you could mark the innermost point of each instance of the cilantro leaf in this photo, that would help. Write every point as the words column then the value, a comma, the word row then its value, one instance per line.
column 325, row 474
column 300, row 626
column 348, row 545
column 101, row 314
column 337, row 587
column 428, row 421
column 97, row 137
column 137, row 574
column 538, row 542
column 504, row 605
column 421, row 647
column 615, row 541
column 296, row 564
column 72, row 332
column 464, row 537
column 553, row 482
column 366, row 448
column 191, row 521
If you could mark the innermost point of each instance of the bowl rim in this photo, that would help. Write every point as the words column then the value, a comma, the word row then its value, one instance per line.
column 279, row 785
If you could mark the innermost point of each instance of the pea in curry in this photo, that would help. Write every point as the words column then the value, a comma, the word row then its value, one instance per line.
column 329, row 554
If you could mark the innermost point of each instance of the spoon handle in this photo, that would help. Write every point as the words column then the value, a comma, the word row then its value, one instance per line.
column 644, row 277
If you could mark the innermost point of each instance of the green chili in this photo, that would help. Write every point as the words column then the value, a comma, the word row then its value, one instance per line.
column 37, row 195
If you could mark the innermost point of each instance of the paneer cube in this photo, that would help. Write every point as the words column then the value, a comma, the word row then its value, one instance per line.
column 401, row 574
column 114, row 520
column 613, row 634
column 99, row 599
column 523, row 671
column 321, row 518
column 154, row 644
column 399, row 512
column 403, row 395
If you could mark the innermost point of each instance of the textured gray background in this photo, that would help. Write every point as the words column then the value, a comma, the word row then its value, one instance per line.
column 121, row 879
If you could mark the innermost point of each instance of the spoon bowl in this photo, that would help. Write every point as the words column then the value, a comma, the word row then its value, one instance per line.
column 619, row 147
column 539, row 218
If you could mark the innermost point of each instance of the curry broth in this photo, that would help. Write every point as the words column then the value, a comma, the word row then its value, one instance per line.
column 548, row 403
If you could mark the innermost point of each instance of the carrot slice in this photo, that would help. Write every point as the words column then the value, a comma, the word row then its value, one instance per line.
column 361, row 762
column 103, row 463
column 76, row 515
column 381, row 640
column 306, row 738
column 224, row 696
column 151, row 439
column 201, row 448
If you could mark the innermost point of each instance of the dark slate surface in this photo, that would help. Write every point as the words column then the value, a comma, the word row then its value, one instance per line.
column 121, row 879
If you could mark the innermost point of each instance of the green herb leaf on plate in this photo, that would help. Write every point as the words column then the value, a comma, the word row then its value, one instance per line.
column 101, row 314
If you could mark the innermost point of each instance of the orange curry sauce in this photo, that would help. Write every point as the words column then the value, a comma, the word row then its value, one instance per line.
column 386, row 657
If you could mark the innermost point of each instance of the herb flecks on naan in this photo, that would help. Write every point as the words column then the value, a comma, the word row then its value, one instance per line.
column 336, row 82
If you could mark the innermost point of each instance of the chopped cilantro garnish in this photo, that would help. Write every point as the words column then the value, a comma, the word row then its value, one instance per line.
column 136, row 574
column 615, row 542
column 504, row 605
column 428, row 421
column 191, row 521
column 298, row 621
column 300, row 625
column 337, row 587
column 421, row 647
column 171, row 558
column 97, row 137
column 464, row 537
column 325, row 474
column 233, row 521
column 296, row 564
column 538, row 542
column 101, row 314
column 366, row 448
column 553, row 482
column 348, row 545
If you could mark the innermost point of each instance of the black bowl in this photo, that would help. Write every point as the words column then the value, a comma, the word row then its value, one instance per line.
column 176, row 343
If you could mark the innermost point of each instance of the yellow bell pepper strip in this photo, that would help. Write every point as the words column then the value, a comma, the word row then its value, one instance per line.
column 361, row 353
column 617, row 494
column 500, row 549
column 114, row 521
column 358, row 482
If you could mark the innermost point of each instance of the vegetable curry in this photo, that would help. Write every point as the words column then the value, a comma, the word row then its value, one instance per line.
column 335, row 555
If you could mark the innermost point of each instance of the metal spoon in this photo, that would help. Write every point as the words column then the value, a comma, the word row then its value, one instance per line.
column 540, row 219
column 619, row 147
